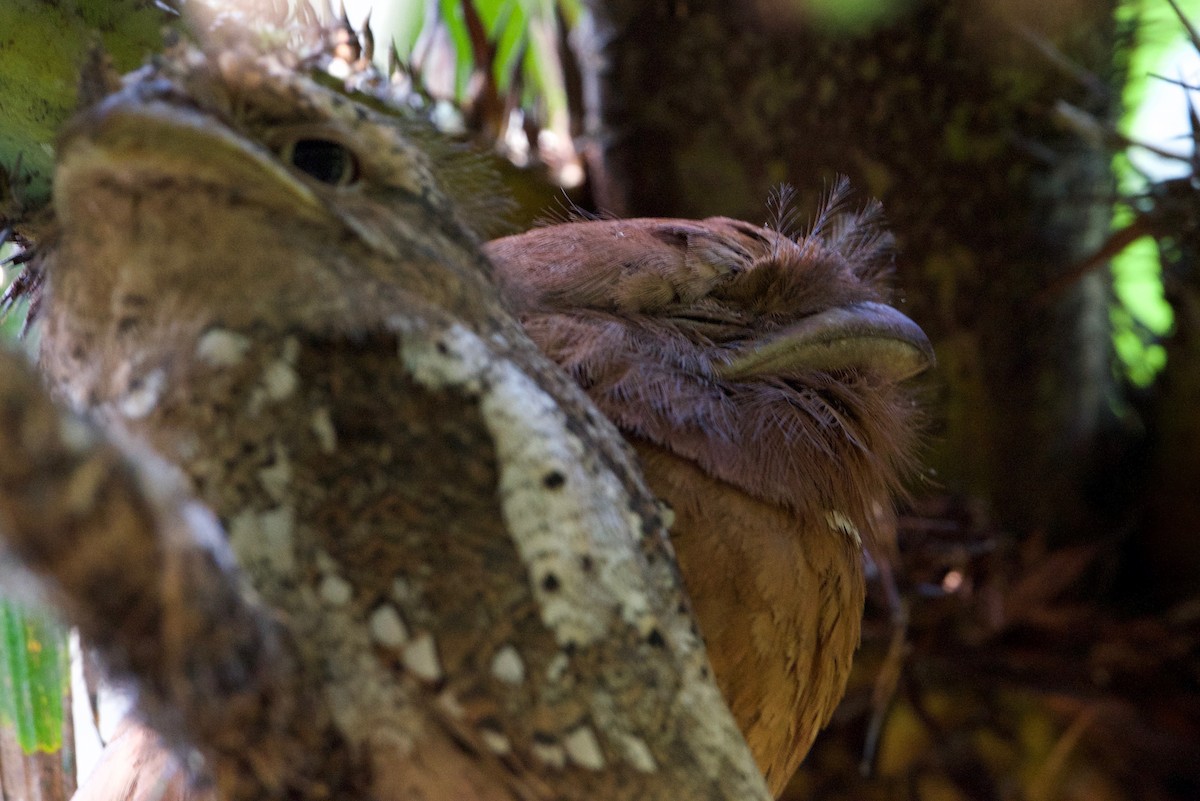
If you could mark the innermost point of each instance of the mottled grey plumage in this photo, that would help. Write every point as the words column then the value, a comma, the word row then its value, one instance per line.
column 460, row 582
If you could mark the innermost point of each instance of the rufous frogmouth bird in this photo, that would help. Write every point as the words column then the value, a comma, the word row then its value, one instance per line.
column 758, row 377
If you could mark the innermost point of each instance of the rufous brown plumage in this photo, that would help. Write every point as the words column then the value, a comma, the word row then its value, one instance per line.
column 757, row 376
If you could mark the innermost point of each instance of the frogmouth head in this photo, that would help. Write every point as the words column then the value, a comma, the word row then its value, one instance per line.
column 235, row 179
column 774, row 362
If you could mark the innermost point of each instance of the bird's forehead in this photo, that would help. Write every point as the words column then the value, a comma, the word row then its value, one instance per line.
column 252, row 89
column 274, row 97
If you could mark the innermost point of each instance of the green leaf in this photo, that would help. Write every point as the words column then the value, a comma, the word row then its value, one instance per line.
column 491, row 12
column 570, row 10
column 543, row 67
column 851, row 16
column 1142, row 314
column 404, row 21
column 464, row 57
column 34, row 671
column 1159, row 31
column 512, row 28
column 10, row 324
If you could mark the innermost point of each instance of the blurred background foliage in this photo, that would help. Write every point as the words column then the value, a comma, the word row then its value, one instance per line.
column 1155, row 112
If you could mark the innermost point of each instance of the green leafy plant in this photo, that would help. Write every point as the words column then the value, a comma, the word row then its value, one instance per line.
column 34, row 673
column 1141, row 315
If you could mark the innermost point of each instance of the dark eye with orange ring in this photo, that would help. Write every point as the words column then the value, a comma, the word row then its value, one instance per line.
column 323, row 159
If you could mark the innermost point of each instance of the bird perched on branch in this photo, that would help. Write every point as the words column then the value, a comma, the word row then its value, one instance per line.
column 315, row 495
column 243, row 253
column 758, row 378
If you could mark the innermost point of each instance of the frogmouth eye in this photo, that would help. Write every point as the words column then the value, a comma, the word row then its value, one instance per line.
column 323, row 159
